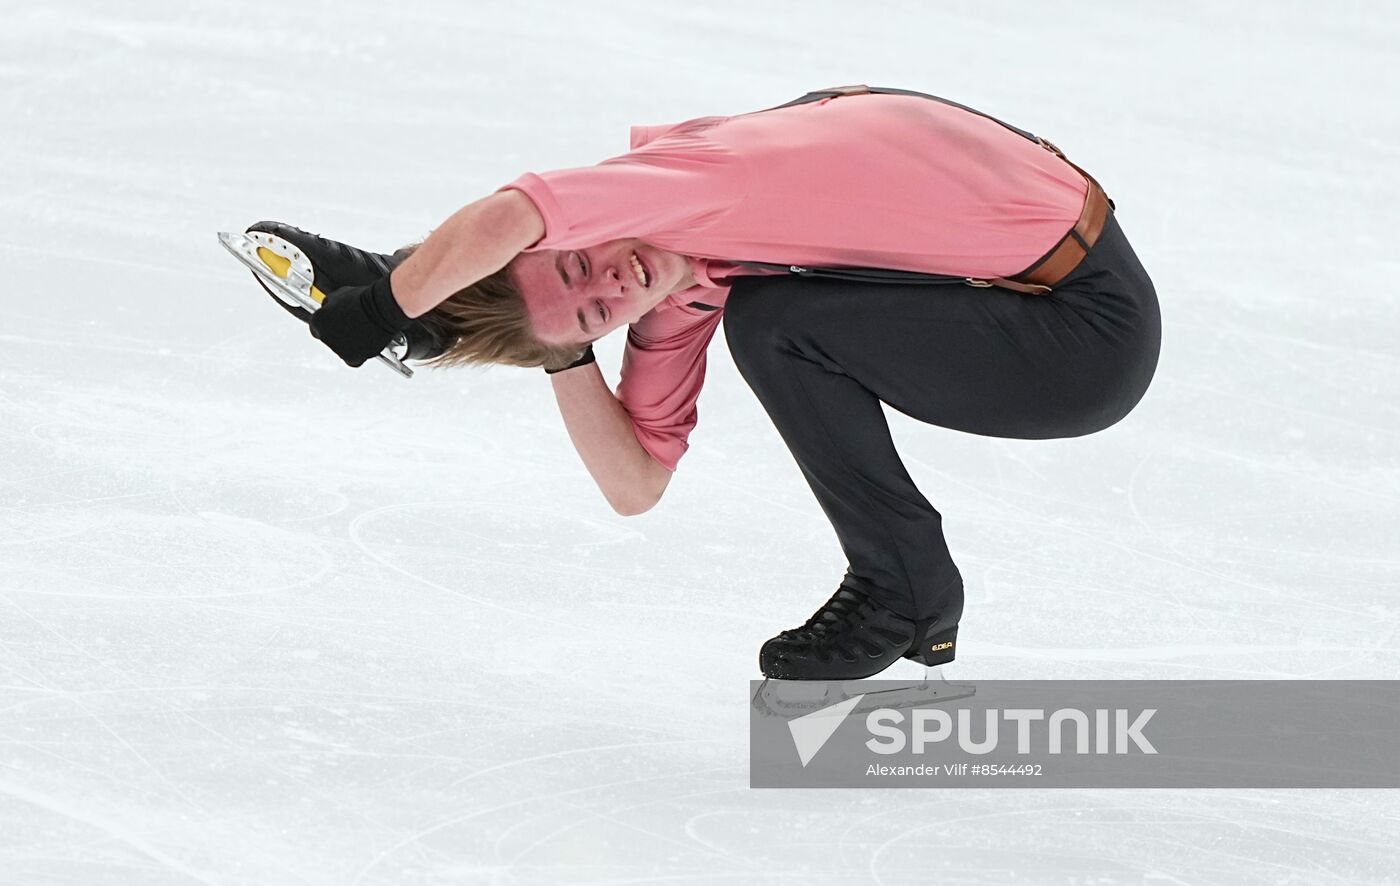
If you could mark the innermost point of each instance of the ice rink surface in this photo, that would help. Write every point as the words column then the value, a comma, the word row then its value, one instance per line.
column 267, row 620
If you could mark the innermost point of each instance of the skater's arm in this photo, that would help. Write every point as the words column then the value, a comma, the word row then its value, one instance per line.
column 630, row 479
column 475, row 242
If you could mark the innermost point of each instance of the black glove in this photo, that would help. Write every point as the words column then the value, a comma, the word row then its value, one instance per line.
column 357, row 322
column 583, row 360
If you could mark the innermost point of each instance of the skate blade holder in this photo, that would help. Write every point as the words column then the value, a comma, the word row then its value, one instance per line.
column 288, row 275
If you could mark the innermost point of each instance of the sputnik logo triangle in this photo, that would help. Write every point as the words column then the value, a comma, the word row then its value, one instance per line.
column 811, row 731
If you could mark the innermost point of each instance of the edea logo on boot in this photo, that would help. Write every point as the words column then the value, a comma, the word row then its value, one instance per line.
column 1075, row 733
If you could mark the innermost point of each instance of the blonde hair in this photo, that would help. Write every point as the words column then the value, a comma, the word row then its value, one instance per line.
column 487, row 323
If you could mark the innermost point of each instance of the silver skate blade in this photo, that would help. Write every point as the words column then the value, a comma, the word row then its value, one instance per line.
column 794, row 698
column 298, row 287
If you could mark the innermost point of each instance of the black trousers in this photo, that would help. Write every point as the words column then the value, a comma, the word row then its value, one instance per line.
column 822, row 354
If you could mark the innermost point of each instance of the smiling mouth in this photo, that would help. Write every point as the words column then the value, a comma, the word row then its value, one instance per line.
column 640, row 270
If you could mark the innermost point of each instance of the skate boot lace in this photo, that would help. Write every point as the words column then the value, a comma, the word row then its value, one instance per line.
column 833, row 614
column 833, row 629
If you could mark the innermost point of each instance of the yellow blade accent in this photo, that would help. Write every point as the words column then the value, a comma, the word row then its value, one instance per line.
column 279, row 265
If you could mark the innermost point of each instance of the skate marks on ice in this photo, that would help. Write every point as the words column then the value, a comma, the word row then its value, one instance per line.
column 586, row 591
column 133, row 554
column 115, row 495
column 484, row 550
column 1237, row 591
column 114, row 828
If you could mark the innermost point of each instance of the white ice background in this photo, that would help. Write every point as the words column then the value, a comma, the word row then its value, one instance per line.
column 267, row 620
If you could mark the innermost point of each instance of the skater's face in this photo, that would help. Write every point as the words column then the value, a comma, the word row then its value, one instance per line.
column 575, row 296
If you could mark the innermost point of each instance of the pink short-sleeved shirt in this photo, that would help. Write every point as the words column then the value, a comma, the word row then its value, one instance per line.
column 869, row 180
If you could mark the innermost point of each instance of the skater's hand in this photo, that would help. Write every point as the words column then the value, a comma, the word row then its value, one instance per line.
column 357, row 322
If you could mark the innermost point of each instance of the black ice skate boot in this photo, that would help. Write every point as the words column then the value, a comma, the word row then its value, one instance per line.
column 337, row 264
column 852, row 637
